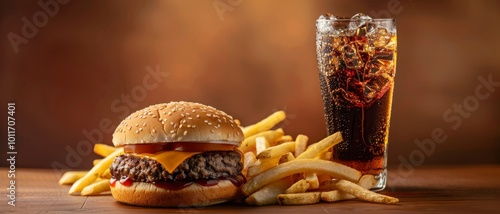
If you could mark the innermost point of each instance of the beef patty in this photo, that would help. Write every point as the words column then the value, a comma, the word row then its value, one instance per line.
column 207, row 165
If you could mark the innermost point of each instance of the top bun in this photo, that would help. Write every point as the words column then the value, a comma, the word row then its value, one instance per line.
column 177, row 122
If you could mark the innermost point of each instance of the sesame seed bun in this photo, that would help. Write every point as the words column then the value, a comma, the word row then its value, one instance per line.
column 177, row 122
column 147, row 194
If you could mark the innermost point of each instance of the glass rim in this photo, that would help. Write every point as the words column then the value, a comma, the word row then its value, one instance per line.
column 351, row 20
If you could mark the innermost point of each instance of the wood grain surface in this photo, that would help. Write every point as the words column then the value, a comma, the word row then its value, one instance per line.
column 435, row 189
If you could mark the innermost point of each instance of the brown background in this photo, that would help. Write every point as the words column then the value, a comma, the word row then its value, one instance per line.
column 257, row 58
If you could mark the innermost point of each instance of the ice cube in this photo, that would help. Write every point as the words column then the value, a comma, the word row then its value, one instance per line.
column 372, row 67
column 324, row 24
column 369, row 93
column 358, row 25
column 379, row 37
column 379, row 83
column 361, row 17
column 383, row 54
column 351, row 57
column 327, row 16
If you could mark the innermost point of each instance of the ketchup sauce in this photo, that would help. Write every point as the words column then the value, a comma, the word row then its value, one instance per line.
column 178, row 185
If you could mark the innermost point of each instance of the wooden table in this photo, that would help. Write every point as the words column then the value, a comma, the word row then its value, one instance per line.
column 436, row 189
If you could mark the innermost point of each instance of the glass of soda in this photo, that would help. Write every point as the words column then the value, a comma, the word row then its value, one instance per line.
column 357, row 64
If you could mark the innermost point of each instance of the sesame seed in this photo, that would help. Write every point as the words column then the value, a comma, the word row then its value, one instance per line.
column 173, row 135
column 153, row 116
column 197, row 116
column 136, row 131
column 169, row 113
column 209, row 123
column 140, row 129
column 208, row 115
column 206, row 121
column 194, row 126
column 185, row 133
column 154, row 131
column 175, row 125
column 193, row 111
column 220, row 121
column 163, row 123
column 180, row 126
column 136, row 125
column 187, row 113
column 172, row 123
column 211, row 130
column 130, row 127
column 179, row 138
column 190, row 118
column 164, row 112
column 182, row 115
column 183, row 121
column 144, row 124
column 172, row 131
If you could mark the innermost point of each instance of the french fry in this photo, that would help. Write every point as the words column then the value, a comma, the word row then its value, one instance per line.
column 95, row 161
column 94, row 173
column 300, row 144
column 96, row 188
column 286, row 157
column 106, row 174
column 249, row 143
column 277, row 151
column 315, row 149
column 325, row 155
column 261, row 144
column 333, row 169
column 249, row 159
column 71, row 177
column 299, row 198
column 312, row 179
column 267, row 195
column 284, row 139
column 274, row 142
column 298, row 187
column 364, row 194
column 366, row 181
column 262, row 165
column 103, row 149
column 265, row 124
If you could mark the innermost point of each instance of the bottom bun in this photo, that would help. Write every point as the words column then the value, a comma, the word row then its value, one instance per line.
column 147, row 194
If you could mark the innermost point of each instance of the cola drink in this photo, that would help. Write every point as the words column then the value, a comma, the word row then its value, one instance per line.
column 357, row 64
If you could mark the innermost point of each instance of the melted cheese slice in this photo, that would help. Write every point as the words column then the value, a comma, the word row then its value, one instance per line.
column 169, row 159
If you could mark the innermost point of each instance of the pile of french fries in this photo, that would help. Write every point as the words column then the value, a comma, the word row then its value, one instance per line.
column 96, row 180
column 279, row 170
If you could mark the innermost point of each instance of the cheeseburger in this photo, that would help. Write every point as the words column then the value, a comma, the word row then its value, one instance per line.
column 177, row 154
